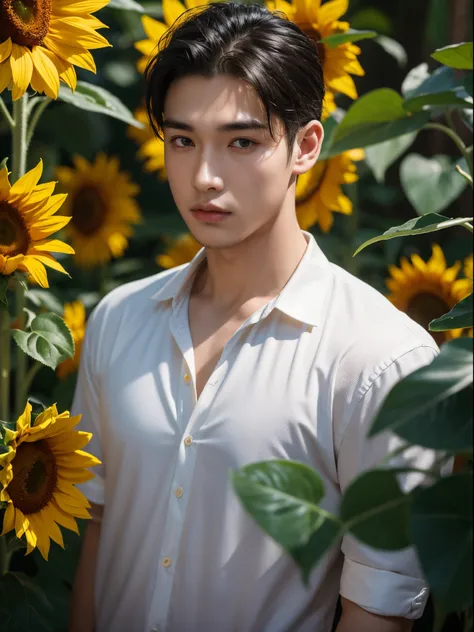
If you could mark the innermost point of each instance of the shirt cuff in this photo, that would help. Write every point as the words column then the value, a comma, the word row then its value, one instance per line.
column 93, row 490
column 382, row 592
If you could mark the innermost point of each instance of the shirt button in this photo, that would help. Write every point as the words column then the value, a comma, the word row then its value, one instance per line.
column 188, row 440
column 166, row 562
column 187, row 377
column 178, row 492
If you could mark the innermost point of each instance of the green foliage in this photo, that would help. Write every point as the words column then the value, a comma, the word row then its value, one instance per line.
column 97, row 99
column 23, row 606
column 428, row 223
column 49, row 340
column 455, row 56
column 431, row 184
column 374, row 118
column 351, row 35
column 441, row 529
column 417, row 407
column 460, row 317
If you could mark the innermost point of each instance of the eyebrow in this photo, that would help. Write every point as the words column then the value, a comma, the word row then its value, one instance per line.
column 226, row 127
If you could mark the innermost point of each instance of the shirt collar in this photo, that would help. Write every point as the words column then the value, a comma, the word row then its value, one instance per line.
column 302, row 297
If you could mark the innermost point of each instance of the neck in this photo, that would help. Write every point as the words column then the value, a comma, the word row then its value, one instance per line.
column 258, row 267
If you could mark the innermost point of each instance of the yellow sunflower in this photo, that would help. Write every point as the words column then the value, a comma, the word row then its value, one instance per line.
column 27, row 221
column 172, row 10
column 101, row 202
column 468, row 267
column 319, row 192
column 43, row 464
column 180, row 250
column 152, row 149
column 319, row 20
column 42, row 40
column 428, row 290
column 75, row 318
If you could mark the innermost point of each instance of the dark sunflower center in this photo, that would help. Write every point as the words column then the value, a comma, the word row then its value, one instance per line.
column 14, row 236
column 315, row 35
column 88, row 210
column 318, row 174
column 34, row 477
column 25, row 21
column 424, row 308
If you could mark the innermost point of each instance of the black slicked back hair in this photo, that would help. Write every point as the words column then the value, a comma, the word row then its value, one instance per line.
column 247, row 42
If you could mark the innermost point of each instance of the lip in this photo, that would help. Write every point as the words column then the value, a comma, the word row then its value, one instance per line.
column 209, row 213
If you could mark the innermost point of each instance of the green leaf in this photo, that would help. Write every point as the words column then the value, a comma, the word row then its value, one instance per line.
column 3, row 292
column 414, row 79
column 23, row 606
column 45, row 299
column 375, row 510
column 4, row 162
column 20, row 278
column 283, row 497
column 49, row 340
column 97, row 99
column 441, row 530
column 393, row 48
column 431, row 184
column 451, row 99
column 126, row 5
column 456, row 56
column 417, row 226
column 460, row 317
column 376, row 117
column 432, row 407
column 351, row 35
column 379, row 157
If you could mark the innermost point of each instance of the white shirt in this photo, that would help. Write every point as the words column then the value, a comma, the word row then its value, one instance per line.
column 301, row 379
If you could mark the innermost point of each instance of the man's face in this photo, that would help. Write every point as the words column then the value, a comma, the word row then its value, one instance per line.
column 242, row 171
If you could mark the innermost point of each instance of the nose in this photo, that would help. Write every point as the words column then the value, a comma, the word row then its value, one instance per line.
column 207, row 176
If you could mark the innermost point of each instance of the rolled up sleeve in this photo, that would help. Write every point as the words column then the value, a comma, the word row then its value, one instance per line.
column 86, row 402
column 386, row 583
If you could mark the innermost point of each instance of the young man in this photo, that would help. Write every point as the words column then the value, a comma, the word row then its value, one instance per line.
column 258, row 349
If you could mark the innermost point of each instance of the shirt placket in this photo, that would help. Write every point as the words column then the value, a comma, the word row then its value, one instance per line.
column 191, row 413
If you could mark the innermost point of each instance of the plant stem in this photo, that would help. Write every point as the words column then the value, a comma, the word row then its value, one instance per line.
column 6, row 114
column 20, row 150
column 30, row 376
column 4, row 364
column 455, row 138
column 40, row 108
column 5, row 555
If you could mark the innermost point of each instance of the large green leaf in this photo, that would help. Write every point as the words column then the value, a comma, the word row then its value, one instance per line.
column 351, row 35
column 432, row 407
column 460, row 317
column 441, row 530
column 456, row 56
column 374, row 118
column 392, row 48
column 429, row 223
column 23, row 606
column 451, row 99
column 379, row 157
column 283, row 497
column 96, row 99
column 376, row 510
column 49, row 340
column 431, row 184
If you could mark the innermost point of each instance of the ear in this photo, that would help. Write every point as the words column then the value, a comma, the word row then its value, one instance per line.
column 309, row 141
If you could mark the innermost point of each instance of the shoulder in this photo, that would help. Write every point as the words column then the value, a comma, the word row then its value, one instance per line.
column 369, row 325
column 365, row 335
column 128, row 303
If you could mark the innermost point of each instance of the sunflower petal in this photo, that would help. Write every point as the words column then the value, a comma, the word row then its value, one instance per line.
column 24, row 186
column 53, row 245
column 21, row 66
column 172, row 10
column 37, row 271
column 45, row 68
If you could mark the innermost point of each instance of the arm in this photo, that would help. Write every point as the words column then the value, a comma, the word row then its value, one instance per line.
column 82, row 613
column 355, row 619
column 386, row 586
